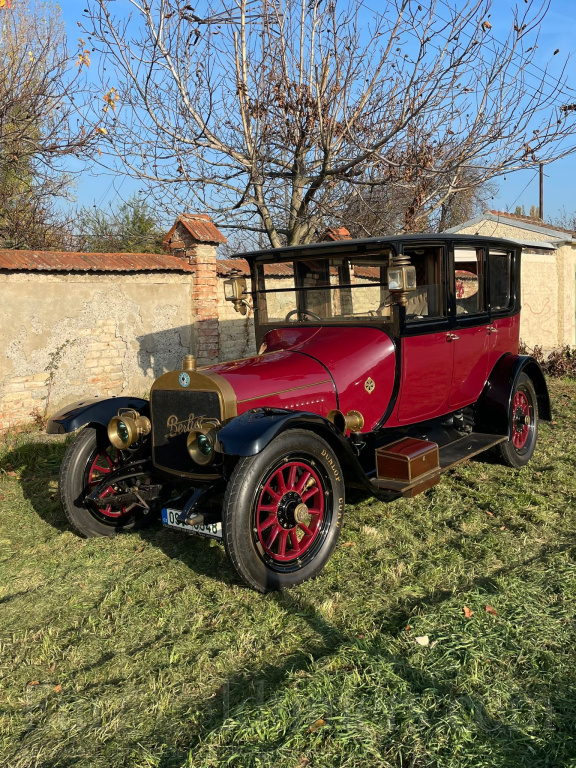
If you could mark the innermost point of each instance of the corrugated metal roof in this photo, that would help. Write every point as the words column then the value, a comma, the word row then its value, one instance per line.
column 62, row 261
column 202, row 228
column 532, row 220
column 227, row 267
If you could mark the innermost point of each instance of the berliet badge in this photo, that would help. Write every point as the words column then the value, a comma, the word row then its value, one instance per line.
column 184, row 379
column 369, row 385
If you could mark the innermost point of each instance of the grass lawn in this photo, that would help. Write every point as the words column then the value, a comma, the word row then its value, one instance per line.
column 146, row 650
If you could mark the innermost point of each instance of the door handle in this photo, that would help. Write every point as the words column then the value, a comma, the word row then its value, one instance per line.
column 452, row 337
column 491, row 329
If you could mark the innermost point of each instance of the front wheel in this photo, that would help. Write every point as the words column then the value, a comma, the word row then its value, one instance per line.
column 518, row 450
column 282, row 511
column 87, row 461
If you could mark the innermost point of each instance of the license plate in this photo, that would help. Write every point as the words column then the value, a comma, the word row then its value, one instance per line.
column 212, row 530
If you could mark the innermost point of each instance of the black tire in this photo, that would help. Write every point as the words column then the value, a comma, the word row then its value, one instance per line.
column 518, row 450
column 256, row 554
column 76, row 474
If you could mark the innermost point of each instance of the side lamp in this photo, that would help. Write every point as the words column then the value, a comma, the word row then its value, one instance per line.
column 235, row 291
column 402, row 279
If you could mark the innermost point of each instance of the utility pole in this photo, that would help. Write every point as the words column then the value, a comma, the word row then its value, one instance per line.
column 541, row 212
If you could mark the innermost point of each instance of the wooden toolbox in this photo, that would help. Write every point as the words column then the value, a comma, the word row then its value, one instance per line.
column 406, row 460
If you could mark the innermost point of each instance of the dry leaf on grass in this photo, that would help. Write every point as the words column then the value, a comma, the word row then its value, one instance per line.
column 57, row 688
column 349, row 544
column 491, row 610
column 316, row 725
column 423, row 640
column 468, row 612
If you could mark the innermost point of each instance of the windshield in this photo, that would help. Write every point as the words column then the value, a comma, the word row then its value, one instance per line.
column 328, row 290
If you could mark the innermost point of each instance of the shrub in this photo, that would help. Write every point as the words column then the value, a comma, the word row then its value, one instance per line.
column 559, row 362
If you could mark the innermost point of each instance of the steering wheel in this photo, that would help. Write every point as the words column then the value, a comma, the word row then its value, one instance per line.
column 300, row 312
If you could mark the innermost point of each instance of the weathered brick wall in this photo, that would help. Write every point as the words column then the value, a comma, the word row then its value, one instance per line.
column 69, row 336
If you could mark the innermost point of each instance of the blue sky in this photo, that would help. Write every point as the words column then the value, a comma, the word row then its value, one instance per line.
column 558, row 31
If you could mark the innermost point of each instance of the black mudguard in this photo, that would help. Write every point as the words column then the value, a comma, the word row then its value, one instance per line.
column 98, row 410
column 249, row 433
column 492, row 411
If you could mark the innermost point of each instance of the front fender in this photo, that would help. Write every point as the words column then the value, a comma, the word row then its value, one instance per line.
column 492, row 411
column 249, row 433
column 97, row 410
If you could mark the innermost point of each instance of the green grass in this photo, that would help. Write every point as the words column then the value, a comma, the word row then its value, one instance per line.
column 146, row 650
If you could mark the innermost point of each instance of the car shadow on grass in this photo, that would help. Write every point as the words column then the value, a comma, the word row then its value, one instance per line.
column 36, row 464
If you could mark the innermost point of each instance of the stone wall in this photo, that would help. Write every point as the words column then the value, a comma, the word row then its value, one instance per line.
column 69, row 336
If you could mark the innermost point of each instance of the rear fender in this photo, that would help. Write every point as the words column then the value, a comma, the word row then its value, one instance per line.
column 492, row 409
column 98, row 410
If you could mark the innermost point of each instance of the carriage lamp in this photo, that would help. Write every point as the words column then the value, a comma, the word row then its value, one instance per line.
column 402, row 278
column 235, row 291
column 125, row 428
column 201, row 444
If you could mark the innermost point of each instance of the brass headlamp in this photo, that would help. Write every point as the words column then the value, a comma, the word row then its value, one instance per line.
column 125, row 428
column 201, row 444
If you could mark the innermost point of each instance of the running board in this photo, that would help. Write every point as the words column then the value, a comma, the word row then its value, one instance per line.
column 450, row 455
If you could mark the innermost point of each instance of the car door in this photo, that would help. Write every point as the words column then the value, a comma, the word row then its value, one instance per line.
column 504, row 326
column 471, row 342
column 427, row 348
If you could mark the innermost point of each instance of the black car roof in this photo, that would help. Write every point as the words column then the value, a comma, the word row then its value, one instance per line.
column 369, row 243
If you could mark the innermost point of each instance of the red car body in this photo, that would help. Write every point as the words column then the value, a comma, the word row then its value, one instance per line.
column 382, row 363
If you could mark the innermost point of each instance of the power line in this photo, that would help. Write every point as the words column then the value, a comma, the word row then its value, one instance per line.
column 532, row 90
column 517, row 55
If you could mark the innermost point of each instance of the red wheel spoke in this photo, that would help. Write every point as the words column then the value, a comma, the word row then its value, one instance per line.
column 273, row 494
column 292, row 477
column 268, row 522
column 309, row 494
column 273, row 536
column 281, row 482
column 305, row 528
column 306, row 475
column 103, row 470
column 294, row 540
column 282, row 543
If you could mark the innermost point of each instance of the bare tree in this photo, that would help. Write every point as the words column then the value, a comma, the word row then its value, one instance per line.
column 271, row 114
column 39, row 122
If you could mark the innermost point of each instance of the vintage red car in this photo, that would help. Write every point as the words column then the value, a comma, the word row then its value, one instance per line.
column 382, row 363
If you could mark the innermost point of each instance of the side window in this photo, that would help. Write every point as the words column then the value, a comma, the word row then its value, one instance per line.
column 427, row 301
column 469, row 280
column 500, row 266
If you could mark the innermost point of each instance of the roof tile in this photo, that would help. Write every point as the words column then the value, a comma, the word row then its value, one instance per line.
column 62, row 261
column 531, row 220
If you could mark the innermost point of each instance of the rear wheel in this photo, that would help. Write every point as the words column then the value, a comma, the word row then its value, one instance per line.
column 87, row 461
column 518, row 450
column 282, row 511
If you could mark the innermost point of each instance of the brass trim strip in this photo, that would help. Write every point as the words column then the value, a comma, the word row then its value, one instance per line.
column 282, row 391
